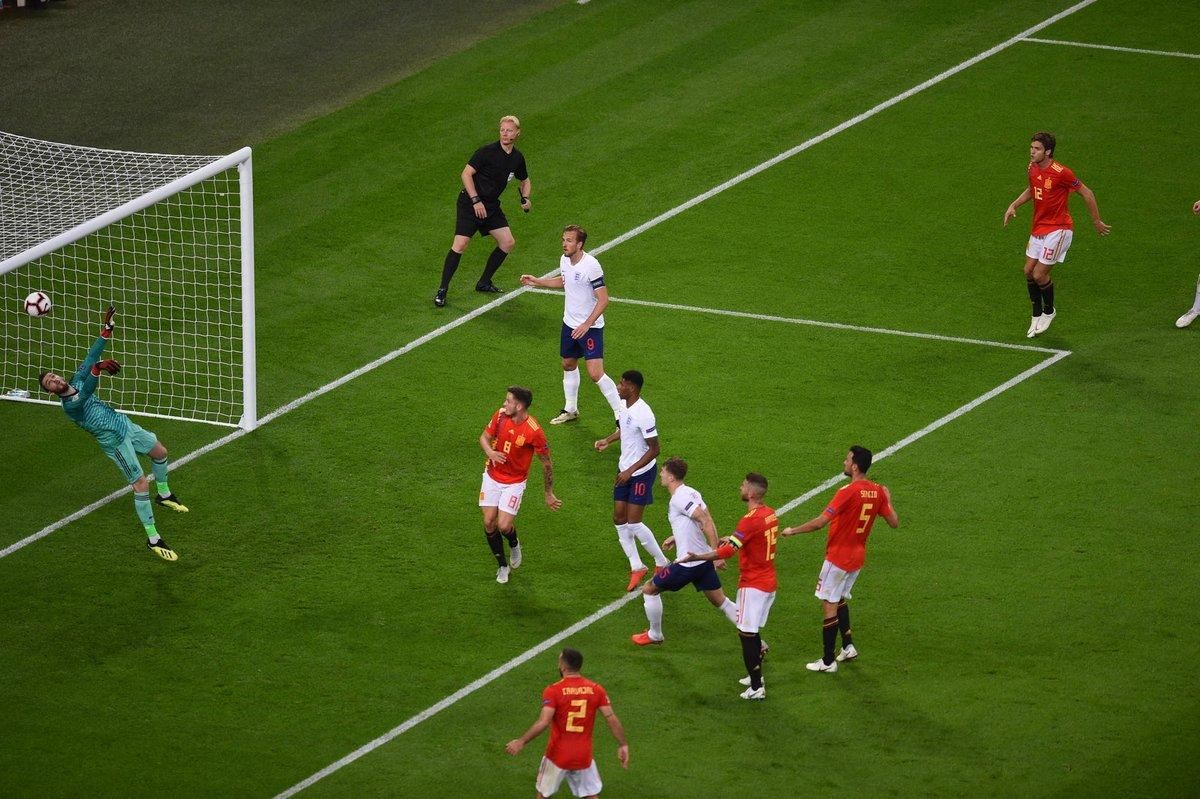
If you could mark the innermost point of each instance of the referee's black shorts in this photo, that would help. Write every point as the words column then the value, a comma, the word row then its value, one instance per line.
column 468, row 224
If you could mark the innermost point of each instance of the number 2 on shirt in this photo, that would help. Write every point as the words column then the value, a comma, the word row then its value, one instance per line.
column 575, row 715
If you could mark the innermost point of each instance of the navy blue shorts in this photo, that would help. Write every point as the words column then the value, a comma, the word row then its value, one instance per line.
column 588, row 347
column 677, row 575
column 638, row 491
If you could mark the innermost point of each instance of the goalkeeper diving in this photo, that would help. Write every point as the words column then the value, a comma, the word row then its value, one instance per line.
column 121, row 439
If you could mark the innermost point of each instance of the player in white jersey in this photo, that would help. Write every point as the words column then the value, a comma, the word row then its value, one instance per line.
column 691, row 526
column 584, row 299
column 1194, row 311
column 633, row 489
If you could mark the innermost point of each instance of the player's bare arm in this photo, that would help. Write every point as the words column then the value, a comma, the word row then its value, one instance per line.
column 712, row 555
column 651, row 453
column 702, row 517
column 1090, row 199
column 525, row 186
column 601, row 303
column 515, row 746
column 1022, row 198
column 555, row 282
column 603, row 443
column 468, row 181
column 552, row 501
column 892, row 518
column 809, row 526
column 1196, row 208
column 493, row 455
column 614, row 724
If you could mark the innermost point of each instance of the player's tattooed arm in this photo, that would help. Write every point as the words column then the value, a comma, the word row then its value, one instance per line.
column 548, row 474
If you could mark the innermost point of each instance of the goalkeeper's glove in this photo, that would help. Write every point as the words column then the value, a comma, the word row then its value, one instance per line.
column 107, row 330
column 108, row 366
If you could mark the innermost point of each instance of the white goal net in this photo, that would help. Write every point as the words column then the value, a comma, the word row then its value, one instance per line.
column 167, row 239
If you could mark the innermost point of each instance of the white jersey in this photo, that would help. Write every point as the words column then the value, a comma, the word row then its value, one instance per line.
column 637, row 424
column 580, row 282
column 689, row 537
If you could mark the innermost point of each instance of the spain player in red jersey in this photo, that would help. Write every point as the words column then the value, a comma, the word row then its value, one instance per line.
column 754, row 540
column 1050, row 186
column 569, row 709
column 510, row 440
column 853, row 511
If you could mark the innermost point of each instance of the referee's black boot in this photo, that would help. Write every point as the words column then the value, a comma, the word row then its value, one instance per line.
column 439, row 299
column 488, row 288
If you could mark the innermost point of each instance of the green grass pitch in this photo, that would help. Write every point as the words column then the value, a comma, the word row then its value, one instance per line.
column 1027, row 632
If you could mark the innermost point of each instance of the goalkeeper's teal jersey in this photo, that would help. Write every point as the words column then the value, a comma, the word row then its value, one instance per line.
column 108, row 426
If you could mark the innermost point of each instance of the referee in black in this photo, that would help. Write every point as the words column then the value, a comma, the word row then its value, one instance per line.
column 484, row 179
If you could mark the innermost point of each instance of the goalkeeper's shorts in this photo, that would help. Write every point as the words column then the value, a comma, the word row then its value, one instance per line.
column 137, row 441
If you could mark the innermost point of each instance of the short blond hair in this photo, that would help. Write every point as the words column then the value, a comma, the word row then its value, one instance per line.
column 512, row 119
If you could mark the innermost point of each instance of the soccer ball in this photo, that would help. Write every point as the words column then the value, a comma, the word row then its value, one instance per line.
column 38, row 304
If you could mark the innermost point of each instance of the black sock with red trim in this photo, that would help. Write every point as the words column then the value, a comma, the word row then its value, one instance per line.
column 497, row 547
column 844, row 623
column 1035, row 295
column 1047, row 291
column 829, row 632
column 752, row 657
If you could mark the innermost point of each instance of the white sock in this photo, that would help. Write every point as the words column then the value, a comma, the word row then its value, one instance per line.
column 653, row 603
column 629, row 544
column 729, row 608
column 609, row 389
column 647, row 540
column 571, row 391
column 1196, row 304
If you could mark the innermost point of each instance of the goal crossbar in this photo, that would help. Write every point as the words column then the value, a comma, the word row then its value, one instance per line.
column 111, row 184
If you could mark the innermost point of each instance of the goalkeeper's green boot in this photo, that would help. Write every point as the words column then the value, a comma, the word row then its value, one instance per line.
column 171, row 501
column 159, row 547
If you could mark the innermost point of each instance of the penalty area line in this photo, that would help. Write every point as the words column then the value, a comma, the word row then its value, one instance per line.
column 663, row 217
column 886, row 331
column 1112, row 48
column 612, row 607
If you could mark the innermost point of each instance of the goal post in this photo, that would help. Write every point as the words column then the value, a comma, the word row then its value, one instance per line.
column 167, row 239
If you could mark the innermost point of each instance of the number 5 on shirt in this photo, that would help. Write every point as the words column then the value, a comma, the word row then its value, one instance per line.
column 864, row 518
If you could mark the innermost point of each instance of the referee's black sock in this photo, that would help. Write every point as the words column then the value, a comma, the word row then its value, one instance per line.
column 752, row 657
column 493, row 264
column 829, row 633
column 497, row 547
column 511, row 537
column 449, row 267
column 1047, row 291
column 1035, row 296
column 844, row 623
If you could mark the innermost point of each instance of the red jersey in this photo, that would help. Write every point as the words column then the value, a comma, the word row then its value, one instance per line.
column 518, row 442
column 1051, row 188
column 575, row 701
column 853, row 510
column 755, row 538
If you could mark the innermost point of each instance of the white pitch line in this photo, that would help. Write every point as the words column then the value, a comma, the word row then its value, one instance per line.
column 616, row 605
column 461, row 693
column 45, row 531
column 1091, row 46
column 849, row 123
column 792, row 320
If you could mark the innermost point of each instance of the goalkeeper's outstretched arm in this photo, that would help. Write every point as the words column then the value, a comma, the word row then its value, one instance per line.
column 86, row 374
